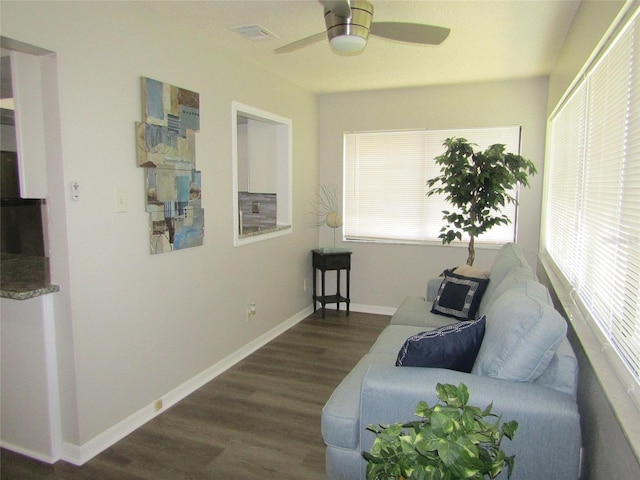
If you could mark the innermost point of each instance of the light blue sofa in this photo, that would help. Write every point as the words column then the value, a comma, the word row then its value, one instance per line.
column 525, row 366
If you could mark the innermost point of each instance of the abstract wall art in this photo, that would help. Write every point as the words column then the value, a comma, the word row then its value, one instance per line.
column 166, row 150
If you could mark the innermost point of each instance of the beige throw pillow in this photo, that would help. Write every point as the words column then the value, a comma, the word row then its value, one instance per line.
column 469, row 271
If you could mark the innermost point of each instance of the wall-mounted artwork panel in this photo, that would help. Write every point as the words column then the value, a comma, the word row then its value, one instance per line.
column 165, row 141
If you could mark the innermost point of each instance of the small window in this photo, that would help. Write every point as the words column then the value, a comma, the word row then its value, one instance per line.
column 262, row 192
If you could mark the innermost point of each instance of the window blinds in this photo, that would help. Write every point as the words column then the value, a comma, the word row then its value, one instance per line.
column 385, row 183
column 593, row 194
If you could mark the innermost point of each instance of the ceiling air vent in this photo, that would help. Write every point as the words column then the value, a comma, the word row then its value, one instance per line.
column 254, row 32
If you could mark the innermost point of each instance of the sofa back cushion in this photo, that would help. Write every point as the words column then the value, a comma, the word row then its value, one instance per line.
column 523, row 332
column 510, row 256
column 515, row 276
column 562, row 372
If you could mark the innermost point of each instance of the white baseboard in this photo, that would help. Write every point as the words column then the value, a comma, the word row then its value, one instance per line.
column 78, row 455
column 378, row 310
column 29, row 453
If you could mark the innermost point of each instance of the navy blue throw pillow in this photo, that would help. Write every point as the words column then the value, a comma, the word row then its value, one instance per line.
column 454, row 347
column 459, row 296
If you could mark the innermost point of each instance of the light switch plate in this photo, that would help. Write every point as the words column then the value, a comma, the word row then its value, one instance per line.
column 121, row 200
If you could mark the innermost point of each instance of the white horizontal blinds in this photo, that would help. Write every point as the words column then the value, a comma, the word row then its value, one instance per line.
column 630, row 224
column 386, row 175
column 384, row 185
column 435, row 204
column 603, row 286
column 602, row 258
column 564, row 185
column 629, row 232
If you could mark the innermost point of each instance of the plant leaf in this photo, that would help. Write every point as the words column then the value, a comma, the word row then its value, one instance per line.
column 451, row 440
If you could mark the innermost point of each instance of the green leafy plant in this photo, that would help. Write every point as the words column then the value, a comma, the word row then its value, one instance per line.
column 451, row 441
column 478, row 184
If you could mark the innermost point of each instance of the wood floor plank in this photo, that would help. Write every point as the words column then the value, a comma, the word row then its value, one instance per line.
column 258, row 420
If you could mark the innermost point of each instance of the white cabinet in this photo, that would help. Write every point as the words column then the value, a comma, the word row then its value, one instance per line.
column 30, row 414
column 27, row 83
column 262, row 155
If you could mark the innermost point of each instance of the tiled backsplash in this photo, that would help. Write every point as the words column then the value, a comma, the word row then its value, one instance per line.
column 258, row 211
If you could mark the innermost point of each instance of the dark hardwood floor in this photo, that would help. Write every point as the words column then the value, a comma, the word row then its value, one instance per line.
column 258, row 420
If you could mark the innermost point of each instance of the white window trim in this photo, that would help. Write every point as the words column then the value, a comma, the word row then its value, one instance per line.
column 285, row 165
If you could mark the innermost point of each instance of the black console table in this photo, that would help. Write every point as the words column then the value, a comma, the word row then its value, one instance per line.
column 324, row 260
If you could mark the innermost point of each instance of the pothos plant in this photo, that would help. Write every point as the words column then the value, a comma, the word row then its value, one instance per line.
column 477, row 184
column 452, row 440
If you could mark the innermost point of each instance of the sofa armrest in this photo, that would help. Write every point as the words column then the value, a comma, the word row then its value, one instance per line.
column 432, row 288
column 547, row 443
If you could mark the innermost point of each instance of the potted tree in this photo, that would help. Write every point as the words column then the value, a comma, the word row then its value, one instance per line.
column 451, row 441
column 477, row 184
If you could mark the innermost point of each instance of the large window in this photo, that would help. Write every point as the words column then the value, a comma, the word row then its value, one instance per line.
column 592, row 218
column 385, row 190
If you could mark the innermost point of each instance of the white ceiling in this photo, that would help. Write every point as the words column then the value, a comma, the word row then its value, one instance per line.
column 489, row 40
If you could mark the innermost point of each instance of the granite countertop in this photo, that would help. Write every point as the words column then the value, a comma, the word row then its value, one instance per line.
column 254, row 231
column 23, row 276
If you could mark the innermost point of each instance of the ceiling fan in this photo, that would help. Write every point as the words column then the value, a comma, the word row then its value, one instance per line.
column 349, row 25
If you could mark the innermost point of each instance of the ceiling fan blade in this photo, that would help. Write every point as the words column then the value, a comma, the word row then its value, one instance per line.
column 337, row 7
column 303, row 42
column 410, row 32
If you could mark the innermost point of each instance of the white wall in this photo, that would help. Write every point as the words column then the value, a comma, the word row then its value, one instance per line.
column 133, row 326
column 591, row 22
column 383, row 275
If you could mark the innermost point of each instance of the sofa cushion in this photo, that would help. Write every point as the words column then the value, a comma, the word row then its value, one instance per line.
column 341, row 413
column 515, row 276
column 509, row 256
column 393, row 337
column 522, row 334
column 415, row 311
column 562, row 372
column 454, row 347
column 459, row 296
column 433, row 285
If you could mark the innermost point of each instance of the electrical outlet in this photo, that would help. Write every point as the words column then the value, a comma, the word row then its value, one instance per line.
column 157, row 405
column 251, row 310
column 75, row 191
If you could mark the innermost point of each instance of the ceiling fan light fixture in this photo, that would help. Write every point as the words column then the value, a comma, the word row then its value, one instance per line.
column 349, row 35
column 348, row 43
column 349, row 24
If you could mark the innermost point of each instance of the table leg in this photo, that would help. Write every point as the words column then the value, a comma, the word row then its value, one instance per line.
column 313, row 296
column 348, row 293
column 323, row 294
column 338, row 292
